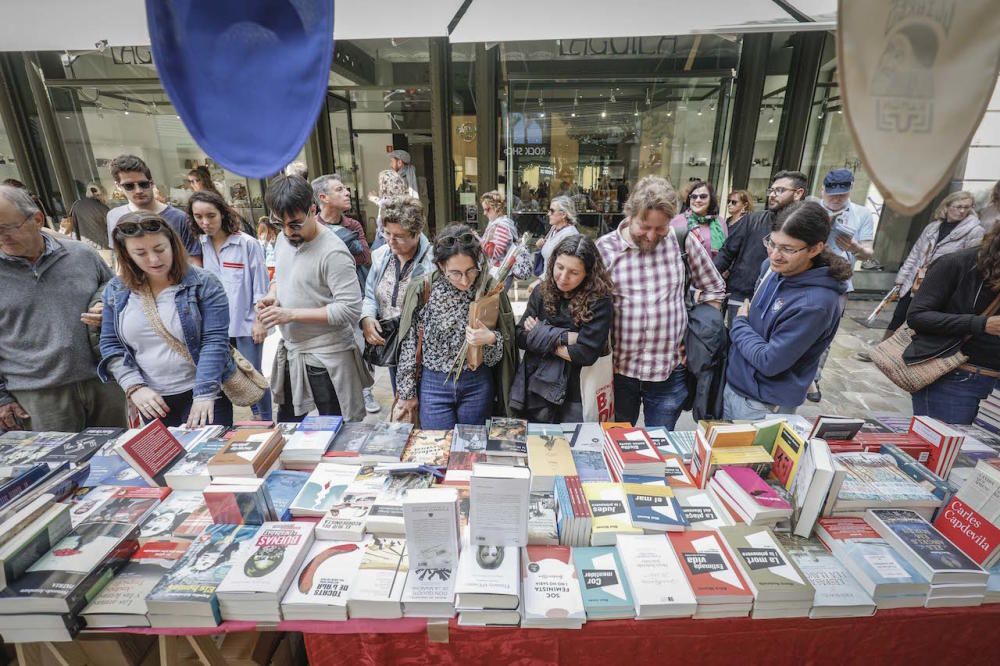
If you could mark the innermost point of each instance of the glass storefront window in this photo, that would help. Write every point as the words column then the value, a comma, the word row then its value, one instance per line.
column 593, row 142
column 766, row 142
column 8, row 165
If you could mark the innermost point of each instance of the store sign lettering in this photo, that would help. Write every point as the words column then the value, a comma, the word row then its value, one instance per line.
column 527, row 151
column 131, row 55
column 621, row 46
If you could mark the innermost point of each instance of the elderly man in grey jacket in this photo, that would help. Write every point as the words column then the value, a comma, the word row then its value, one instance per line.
column 48, row 373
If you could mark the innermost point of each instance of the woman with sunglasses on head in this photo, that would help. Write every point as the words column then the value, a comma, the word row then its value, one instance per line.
column 779, row 335
column 562, row 225
column 238, row 261
column 434, row 323
column 564, row 329
column 700, row 216
column 737, row 207
column 165, row 331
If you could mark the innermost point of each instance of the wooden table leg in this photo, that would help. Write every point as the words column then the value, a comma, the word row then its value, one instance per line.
column 66, row 654
column 206, row 649
column 28, row 654
column 168, row 646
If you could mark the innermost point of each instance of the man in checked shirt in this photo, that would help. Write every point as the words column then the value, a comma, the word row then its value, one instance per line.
column 646, row 266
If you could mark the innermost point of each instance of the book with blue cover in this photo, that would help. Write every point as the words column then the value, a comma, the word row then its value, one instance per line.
column 605, row 590
column 590, row 466
column 324, row 423
column 653, row 507
column 282, row 486
column 924, row 547
column 112, row 470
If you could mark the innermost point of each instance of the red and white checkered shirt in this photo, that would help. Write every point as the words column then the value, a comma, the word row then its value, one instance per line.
column 650, row 315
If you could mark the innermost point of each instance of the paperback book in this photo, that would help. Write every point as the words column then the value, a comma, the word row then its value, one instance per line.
column 322, row 585
column 551, row 590
column 605, row 591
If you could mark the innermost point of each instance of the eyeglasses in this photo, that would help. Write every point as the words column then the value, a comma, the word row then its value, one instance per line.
column 954, row 207
column 130, row 229
column 782, row 249
column 470, row 274
column 394, row 238
column 141, row 184
column 467, row 238
column 699, row 197
column 780, row 190
column 734, row 202
column 279, row 224
column 11, row 228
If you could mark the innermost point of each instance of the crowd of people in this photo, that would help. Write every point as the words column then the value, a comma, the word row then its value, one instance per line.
column 83, row 342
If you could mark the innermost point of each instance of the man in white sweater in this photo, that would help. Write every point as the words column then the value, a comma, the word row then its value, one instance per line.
column 315, row 302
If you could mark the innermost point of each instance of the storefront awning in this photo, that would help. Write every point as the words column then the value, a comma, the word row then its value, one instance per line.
column 56, row 25
column 524, row 20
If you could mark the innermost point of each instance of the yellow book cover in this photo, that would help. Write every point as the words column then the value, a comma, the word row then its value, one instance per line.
column 741, row 434
column 550, row 456
column 788, row 450
column 740, row 455
column 610, row 515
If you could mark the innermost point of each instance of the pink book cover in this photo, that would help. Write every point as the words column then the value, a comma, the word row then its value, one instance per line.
column 756, row 487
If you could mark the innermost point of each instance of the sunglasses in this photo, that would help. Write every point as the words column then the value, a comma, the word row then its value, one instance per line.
column 141, row 184
column 130, row 229
column 734, row 202
column 278, row 225
column 468, row 238
column 699, row 197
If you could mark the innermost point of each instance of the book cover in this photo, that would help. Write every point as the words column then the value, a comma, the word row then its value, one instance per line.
column 488, row 577
column 632, row 446
column 676, row 473
column 767, row 433
column 924, row 546
column 767, row 567
column 323, row 490
column 429, row 592
column 702, row 510
column 282, row 486
column 267, row 561
column 191, row 471
column 610, row 515
column 428, row 447
column 194, row 524
column 468, row 446
column 324, row 580
column 386, row 513
column 350, row 439
column 128, row 505
column 788, row 449
column 112, row 470
column 603, row 586
column 430, row 516
column 33, row 540
column 237, row 505
column 653, row 507
column 386, row 442
column 507, row 437
column 247, row 453
column 152, row 452
column 838, row 594
column 542, row 526
column 498, row 505
column 380, row 579
column 549, row 456
column 659, row 586
column 713, row 575
column 551, row 589
column 82, row 446
column 763, row 495
column 590, row 466
column 587, row 437
column 316, row 423
column 170, row 514
column 873, row 479
column 306, row 445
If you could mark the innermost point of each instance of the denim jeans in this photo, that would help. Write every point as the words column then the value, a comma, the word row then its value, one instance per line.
column 661, row 401
column 445, row 402
column 254, row 353
column 324, row 395
column 954, row 398
column 180, row 408
column 738, row 407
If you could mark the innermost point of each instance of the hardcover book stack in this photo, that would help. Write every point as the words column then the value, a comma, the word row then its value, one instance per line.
column 249, row 453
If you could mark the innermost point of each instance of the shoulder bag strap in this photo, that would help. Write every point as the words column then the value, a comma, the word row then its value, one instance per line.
column 420, row 329
column 153, row 317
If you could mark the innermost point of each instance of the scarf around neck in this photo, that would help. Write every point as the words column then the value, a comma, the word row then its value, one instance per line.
column 718, row 236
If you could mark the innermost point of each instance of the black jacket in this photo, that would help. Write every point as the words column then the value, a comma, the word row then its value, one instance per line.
column 743, row 253
column 948, row 307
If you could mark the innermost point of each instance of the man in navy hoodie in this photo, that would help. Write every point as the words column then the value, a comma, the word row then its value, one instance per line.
column 779, row 336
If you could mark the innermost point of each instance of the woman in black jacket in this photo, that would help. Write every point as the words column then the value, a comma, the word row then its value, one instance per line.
column 564, row 328
column 956, row 307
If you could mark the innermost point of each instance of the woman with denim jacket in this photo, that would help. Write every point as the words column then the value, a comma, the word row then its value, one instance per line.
column 165, row 333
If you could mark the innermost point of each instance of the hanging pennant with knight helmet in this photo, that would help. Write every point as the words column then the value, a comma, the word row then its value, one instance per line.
column 915, row 79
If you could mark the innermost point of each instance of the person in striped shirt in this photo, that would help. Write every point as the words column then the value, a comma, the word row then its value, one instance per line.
column 501, row 230
column 647, row 269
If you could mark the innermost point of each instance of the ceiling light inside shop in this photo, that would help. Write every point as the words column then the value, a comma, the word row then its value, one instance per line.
column 604, row 114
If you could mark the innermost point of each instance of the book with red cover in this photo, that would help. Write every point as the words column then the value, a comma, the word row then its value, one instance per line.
column 764, row 495
column 631, row 451
column 913, row 444
column 709, row 568
column 677, row 476
column 151, row 452
column 945, row 443
column 970, row 531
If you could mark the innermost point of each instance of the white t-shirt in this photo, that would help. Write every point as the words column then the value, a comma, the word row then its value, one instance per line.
column 163, row 369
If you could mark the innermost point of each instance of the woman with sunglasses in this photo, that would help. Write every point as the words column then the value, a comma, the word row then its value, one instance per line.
column 165, row 331
column 737, row 206
column 700, row 216
column 563, row 330
column 778, row 336
column 434, row 323
column 238, row 261
column 562, row 225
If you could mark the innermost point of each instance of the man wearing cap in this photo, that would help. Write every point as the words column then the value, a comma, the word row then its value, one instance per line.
column 134, row 178
column 399, row 161
column 852, row 236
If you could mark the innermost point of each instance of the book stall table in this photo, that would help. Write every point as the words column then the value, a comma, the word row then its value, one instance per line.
column 936, row 637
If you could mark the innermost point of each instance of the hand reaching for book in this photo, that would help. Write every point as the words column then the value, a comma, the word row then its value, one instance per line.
column 201, row 413
column 149, row 403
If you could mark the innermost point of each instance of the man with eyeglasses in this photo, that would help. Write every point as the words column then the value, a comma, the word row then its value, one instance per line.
column 743, row 253
column 134, row 178
column 315, row 301
column 48, row 372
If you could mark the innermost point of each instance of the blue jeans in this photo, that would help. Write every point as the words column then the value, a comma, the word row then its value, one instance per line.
column 254, row 353
column 954, row 398
column 661, row 401
column 738, row 407
column 445, row 402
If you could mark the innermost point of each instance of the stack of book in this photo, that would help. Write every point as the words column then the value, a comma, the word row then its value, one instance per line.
column 549, row 456
column 753, row 499
column 468, row 446
column 659, row 586
column 305, row 447
column 945, row 443
column 348, row 443
column 377, row 591
column 779, row 586
column 573, row 516
column 587, row 447
column 508, row 439
column 552, row 597
column 498, row 505
column 262, row 571
column 605, row 591
column 347, row 520
column 703, row 510
column 971, row 520
column 838, row 593
column 385, row 517
column 629, row 451
column 323, row 490
column 652, row 506
column 239, row 501
column 543, row 525
column 885, row 575
column 432, row 542
column 718, row 585
column 988, row 416
column 955, row 580
column 488, row 586
column 872, row 480
column 283, row 486
column 322, row 586
column 191, row 471
column 251, row 453
column 610, row 517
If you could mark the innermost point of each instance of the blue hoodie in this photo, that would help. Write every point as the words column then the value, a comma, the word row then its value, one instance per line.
column 776, row 349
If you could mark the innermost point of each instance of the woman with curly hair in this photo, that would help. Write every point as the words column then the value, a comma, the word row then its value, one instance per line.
column 564, row 328
column 956, row 308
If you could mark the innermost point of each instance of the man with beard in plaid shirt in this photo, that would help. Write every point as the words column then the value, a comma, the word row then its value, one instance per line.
column 644, row 260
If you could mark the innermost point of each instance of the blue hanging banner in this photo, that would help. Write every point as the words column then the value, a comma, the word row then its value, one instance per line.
column 247, row 77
